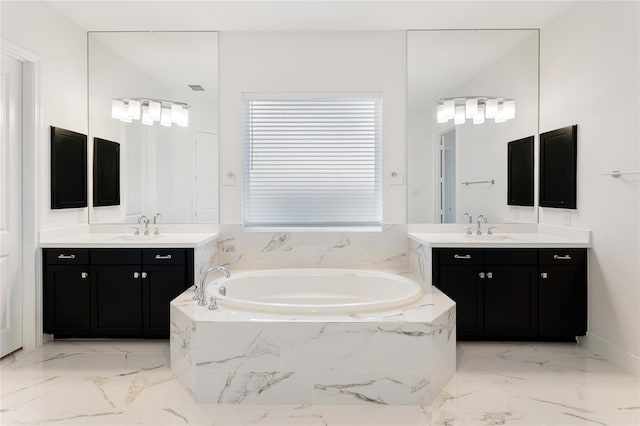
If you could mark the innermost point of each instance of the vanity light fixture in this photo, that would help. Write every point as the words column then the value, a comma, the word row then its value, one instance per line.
column 476, row 108
column 150, row 111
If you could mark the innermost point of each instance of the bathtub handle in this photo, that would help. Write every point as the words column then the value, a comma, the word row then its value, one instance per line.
column 214, row 304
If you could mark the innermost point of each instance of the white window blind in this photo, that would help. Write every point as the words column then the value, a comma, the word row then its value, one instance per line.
column 312, row 162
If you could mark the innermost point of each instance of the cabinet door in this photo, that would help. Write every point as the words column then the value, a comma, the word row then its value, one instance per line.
column 160, row 286
column 562, row 294
column 510, row 301
column 117, row 301
column 462, row 284
column 67, row 301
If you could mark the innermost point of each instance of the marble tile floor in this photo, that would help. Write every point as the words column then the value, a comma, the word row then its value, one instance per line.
column 130, row 383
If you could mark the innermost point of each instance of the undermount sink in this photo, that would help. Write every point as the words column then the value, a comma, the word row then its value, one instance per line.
column 136, row 237
column 487, row 237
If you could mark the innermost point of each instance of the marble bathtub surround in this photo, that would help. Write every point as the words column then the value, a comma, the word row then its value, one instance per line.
column 386, row 250
column 403, row 356
column 129, row 382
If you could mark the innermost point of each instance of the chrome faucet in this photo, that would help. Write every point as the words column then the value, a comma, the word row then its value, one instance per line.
column 468, row 216
column 202, row 296
column 155, row 222
column 481, row 218
column 145, row 220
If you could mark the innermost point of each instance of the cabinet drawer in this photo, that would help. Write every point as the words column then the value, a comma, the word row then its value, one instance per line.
column 163, row 257
column 511, row 256
column 116, row 256
column 462, row 256
column 67, row 256
column 562, row 256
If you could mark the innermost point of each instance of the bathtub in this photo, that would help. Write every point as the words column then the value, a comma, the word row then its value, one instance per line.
column 302, row 336
column 314, row 291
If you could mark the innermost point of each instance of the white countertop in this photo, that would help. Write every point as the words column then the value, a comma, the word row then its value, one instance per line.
column 503, row 240
column 118, row 240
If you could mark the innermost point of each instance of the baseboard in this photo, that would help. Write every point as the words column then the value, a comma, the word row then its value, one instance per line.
column 618, row 356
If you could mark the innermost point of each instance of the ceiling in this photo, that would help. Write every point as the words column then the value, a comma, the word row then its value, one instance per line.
column 306, row 15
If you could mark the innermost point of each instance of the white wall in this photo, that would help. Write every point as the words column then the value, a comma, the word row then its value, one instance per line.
column 62, row 48
column 590, row 76
column 312, row 62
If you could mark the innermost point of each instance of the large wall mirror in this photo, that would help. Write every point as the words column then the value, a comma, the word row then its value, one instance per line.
column 462, row 168
column 156, row 94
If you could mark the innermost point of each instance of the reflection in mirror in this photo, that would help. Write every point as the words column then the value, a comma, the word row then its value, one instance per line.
column 169, row 163
column 461, row 168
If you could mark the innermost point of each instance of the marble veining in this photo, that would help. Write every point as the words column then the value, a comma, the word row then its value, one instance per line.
column 493, row 385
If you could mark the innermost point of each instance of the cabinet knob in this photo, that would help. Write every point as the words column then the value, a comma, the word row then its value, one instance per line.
column 489, row 275
column 144, row 275
column 481, row 275
column 544, row 275
column 84, row 275
column 136, row 275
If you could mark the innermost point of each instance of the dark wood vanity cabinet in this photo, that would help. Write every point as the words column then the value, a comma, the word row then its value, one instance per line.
column 518, row 294
column 119, row 292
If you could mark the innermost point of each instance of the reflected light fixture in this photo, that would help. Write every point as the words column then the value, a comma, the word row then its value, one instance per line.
column 476, row 108
column 150, row 111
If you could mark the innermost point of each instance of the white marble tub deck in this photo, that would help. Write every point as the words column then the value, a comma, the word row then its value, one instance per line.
column 400, row 356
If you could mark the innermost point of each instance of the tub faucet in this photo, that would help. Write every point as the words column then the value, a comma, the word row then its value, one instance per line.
column 202, row 295
column 481, row 218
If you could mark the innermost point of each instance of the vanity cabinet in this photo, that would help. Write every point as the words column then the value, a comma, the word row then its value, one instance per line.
column 514, row 293
column 115, row 292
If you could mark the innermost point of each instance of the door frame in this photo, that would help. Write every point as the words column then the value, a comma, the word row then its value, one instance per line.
column 437, row 138
column 32, row 132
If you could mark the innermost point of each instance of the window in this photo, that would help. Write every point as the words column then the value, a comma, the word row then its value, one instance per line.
column 312, row 162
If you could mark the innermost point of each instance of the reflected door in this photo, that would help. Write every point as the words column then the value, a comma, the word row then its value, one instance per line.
column 447, row 177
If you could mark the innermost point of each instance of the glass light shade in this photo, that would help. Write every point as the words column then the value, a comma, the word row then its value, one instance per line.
column 449, row 109
column 441, row 116
column 471, row 107
column 125, row 119
column 134, row 109
column 509, row 109
column 184, row 119
column 479, row 117
column 145, row 116
column 118, row 109
column 491, row 108
column 165, row 118
column 500, row 117
column 176, row 113
column 154, row 110
column 459, row 117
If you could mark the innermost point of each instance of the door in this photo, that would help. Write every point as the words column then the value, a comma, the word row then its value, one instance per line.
column 447, row 177
column 161, row 284
column 67, row 301
column 10, row 205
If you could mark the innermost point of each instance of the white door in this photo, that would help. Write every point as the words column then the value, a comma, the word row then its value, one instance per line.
column 10, row 205
column 206, row 175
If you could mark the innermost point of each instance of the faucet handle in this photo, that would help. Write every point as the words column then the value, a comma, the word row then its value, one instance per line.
column 490, row 230
column 137, row 230
column 156, row 217
column 468, row 230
